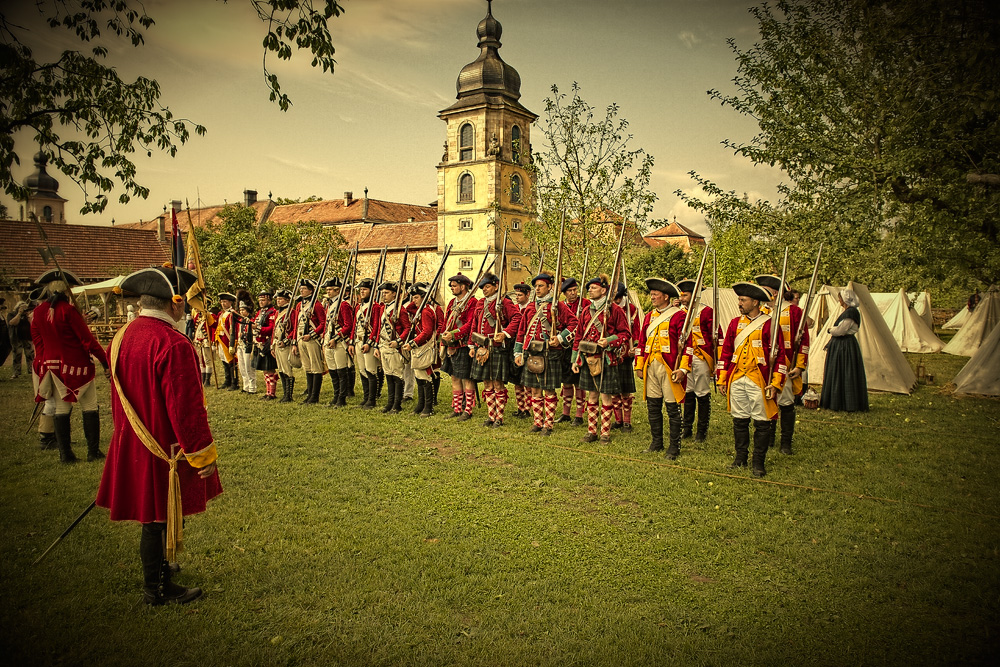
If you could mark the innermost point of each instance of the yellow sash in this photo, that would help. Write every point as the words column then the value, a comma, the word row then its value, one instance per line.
column 175, row 530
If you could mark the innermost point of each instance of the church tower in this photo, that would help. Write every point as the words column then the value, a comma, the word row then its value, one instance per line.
column 483, row 188
column 44, row 200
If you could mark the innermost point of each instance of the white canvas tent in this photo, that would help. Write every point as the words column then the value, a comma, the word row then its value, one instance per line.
column 729, row 306
column 981, row 375
column 919, row 301
column 909, row 330
column 957, row 322
column 98, row 288
column 886, row 369
column 979, row 326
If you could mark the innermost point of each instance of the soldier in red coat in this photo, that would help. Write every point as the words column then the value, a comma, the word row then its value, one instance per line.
column 65, row 373
column 162, row 441
column 263, row 355
column 494, row 331
column 699, row 382
column 421, row 346
column 748, row 376
column 456, row 360
column 790, row 320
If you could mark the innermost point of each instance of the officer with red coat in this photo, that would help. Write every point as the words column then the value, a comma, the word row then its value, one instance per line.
column 162, row 442
column 64, row 346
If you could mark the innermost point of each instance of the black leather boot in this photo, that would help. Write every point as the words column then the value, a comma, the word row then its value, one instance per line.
column 66, row 454
column 741, row 436
column 352, row 379
column 390, row 401
column 674, row 419
column 310, row 387
column 366, row 390
column 787, row 427
column 317, row 387
column 335, row 380
column 227, row 368
column 286, row 388
column 418, row 405
column 381, row 381
column 690, row 405
column 46, row 432
column 428, row 399
column 92, row 432
column 770, row 437
column 376, row 382
column 158, row 589
column 435, row 388
column 400, row 385
column 654, row 406
column 763, row 435
column 346, row 382
column 704, row 414
column 234, row 372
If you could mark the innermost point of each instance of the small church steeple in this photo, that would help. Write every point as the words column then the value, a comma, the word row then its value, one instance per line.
column 44, row 200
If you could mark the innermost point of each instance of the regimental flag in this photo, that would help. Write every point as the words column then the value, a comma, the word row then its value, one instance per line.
column 176, row 241
column 196, row 295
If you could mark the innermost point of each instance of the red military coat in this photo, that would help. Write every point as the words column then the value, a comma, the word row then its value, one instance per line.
column 486, row 322
column 460, row 324
column 266, row 318
column 159, row 375
column 317, row 322
column 63, row 347
column 616, row 331
column 423, row 330
column 399, row 324
column 532, row 328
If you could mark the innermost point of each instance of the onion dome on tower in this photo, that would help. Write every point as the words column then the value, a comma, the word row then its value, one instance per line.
column 488, row 78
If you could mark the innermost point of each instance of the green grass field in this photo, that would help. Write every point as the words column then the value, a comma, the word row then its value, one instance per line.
column 357, row 538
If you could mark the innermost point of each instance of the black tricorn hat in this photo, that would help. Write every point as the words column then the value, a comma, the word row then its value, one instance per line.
column 460, row 278
column 332, row 282
column 366, row 283
column 686, row 285
column 227, row 296
column 57, row 274
column 390, row 286
column 665, row 286
column 768, row 280
column 569, row 283
column 161, row 282
column 418, row 288
column 283, row 293
column 307, row 282
column 752, row 291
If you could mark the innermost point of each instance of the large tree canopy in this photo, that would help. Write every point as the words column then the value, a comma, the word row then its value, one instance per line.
column 238, row 252
column 88, row 120
column 884, row 117
column 588, row 170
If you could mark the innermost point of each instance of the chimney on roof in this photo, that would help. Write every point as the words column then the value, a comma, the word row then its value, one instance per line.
column 364, row 209
column 410, row 219
column 348, row 198
column 249, row 197
column 161, row 231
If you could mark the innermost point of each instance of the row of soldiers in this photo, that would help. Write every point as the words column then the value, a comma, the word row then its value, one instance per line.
column 585, row 348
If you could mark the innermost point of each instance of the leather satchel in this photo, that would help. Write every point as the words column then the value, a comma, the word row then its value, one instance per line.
column 596, row 364
column 478, row 338
column 482, row 355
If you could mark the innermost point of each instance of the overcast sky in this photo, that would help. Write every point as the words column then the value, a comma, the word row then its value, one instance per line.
column 373, row 123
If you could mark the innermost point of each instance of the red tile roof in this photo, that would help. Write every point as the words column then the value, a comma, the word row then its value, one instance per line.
column 92, row 252
column 333, row 211
column 199, row 216
column 418, row 235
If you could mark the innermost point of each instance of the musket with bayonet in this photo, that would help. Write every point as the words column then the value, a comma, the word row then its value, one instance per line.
column 609, row 299
column 425, row 302
column 400, row 293
column 554, row 311
column 502, row 279
column 331, row 335
column 366, row 332
column 287, row 317
column 715, row 317
column 312, row 301
column 458, row 309
column 776, row 320
column 799, row 333
column 583, row 281
column 692, row 313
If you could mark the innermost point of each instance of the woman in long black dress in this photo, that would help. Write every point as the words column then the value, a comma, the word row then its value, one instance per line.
column 845, row 388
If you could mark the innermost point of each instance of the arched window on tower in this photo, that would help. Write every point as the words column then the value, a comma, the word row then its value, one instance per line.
column 47, row 214
column 515, row 144
column 466, row 188
column 515, row 189
column 466, row 139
